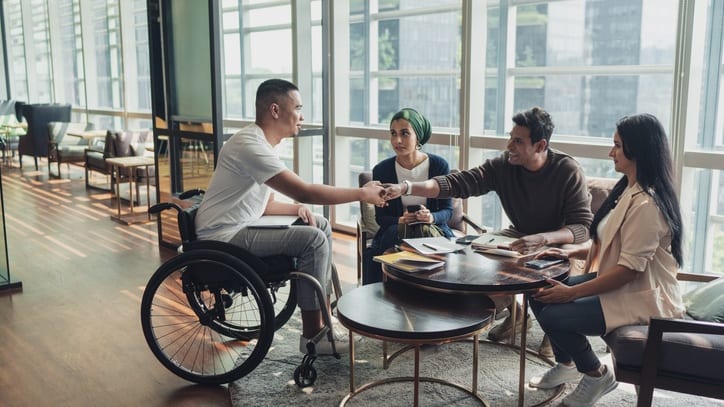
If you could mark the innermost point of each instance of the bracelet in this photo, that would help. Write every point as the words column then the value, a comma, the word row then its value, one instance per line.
column 409, row 187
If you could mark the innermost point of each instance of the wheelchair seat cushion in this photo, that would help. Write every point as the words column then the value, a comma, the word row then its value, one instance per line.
column 270, row 269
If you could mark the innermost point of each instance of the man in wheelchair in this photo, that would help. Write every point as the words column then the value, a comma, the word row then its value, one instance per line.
column 240, row 192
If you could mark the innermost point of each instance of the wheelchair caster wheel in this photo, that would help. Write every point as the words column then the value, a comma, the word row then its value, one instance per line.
column 305, row 376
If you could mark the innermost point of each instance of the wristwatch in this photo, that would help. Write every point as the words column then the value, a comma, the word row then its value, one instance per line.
column 409, row 187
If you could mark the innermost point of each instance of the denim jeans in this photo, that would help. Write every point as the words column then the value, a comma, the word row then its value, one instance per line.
column 312, row 247
column 569, row 324
column 384, row 240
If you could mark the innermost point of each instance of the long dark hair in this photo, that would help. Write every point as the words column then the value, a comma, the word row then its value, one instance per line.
column 644, row 140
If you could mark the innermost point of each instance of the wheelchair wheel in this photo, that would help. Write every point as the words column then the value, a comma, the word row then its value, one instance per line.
column 194, row 314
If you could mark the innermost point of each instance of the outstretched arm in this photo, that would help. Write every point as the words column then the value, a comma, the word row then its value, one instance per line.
column 291, row 185
column 428, row 189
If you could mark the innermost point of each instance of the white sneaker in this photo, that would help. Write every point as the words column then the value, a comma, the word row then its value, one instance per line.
column 555, row 376
column 324, row 346
column 590, row 389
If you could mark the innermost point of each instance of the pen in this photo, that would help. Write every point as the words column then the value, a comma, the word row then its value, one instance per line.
column 491, row 239
column 429, row 246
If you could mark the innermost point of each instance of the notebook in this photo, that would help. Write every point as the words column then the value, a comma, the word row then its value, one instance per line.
column 276, row 222
column 408, row 261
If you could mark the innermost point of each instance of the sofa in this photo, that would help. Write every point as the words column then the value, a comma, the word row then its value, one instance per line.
column 35, row 142
column 64, row 147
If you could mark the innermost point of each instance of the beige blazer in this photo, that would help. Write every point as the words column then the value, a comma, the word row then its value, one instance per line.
column 637, row 236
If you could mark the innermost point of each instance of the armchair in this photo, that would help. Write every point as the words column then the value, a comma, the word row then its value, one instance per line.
column 681, row 355
column 64, row 147
column 35, row 142
column 10, row 128
column 367, row 225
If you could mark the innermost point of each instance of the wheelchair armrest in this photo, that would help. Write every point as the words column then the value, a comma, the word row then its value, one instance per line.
column 162, row 206
column 191, row 193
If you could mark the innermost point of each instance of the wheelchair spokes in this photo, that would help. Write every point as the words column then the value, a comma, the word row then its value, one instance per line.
column 199, row 329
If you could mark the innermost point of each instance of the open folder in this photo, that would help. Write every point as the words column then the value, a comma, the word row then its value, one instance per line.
column 276, row 222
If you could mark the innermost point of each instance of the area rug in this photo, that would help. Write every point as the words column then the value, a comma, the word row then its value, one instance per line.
column 272, row 382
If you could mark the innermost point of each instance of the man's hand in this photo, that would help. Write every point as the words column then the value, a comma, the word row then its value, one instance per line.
column 306, row 215
column 393, row 191
column 373, row 193
column 529, row 244
column 557, row 293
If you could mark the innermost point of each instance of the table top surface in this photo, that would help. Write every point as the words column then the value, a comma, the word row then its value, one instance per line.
column 87, row 133
column 469, row 271
column 130, row 161
column 411, row 314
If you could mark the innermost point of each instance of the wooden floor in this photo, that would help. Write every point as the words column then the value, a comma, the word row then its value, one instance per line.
column 72, row 336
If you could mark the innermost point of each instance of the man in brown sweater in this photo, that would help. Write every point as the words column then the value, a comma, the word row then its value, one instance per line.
column 543, row 192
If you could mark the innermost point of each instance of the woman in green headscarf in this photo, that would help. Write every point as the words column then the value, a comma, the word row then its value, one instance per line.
column 409, row 131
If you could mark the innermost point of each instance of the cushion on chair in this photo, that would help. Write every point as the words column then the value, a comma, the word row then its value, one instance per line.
column 367, row 211
column 599, row 188
column 628, row 342
column 125, row 140
column 706, row 303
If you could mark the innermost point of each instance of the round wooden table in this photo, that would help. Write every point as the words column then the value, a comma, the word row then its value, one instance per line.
column 396, row 312
column 468, row 272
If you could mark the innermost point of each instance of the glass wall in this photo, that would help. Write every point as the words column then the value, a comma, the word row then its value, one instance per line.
column 467, row 65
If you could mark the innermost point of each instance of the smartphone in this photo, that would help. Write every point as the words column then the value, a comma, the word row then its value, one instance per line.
column 543, row 262
column 413, row 208
column 466, row 239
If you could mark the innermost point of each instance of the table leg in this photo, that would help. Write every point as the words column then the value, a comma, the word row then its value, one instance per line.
column 117, row 171
column 352, row 388
column 148, row 194
column 476, row 345
column 523, row 349
column 417, row 376
column 131, row 175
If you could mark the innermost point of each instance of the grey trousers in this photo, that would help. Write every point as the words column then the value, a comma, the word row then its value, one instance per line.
column 312, row 247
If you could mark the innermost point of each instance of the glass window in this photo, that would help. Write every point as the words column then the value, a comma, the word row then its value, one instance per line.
column 103, row 62
column 592, row 62
column 16, row 49
column 42, row 84
column 138, row 77
column 72, row 43
column 401, row 72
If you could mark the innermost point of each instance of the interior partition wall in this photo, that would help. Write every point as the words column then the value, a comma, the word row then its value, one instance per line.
column 186, row 99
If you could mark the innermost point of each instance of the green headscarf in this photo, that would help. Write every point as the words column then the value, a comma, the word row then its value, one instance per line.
column 419, row 123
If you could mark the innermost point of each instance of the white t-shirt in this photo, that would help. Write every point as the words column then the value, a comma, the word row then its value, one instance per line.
column 419, row 173
column 237, row 193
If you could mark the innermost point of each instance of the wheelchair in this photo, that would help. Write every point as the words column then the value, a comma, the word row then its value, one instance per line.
column 209, row 313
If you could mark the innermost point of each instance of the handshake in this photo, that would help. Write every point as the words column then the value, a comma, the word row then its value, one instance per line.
column 377, row 193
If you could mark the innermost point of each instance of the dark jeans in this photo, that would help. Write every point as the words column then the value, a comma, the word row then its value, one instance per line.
column 383, row 241
column 569, row 324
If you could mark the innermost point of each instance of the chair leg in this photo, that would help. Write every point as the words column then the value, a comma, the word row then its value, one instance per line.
column 36, row 162
column 645, row 395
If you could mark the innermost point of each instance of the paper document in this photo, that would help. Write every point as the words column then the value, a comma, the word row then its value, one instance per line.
column 408, row 261
column 499, row 252
column 276, row 222
column 433, row 245
column 492, row 241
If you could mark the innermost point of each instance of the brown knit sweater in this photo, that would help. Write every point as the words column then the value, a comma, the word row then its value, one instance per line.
column 543, row 201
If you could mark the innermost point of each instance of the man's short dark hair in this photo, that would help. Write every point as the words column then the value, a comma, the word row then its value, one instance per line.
column 538, row 121
column 271, row 91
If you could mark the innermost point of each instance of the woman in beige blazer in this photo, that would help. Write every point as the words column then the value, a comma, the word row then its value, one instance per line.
column 631, row 265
